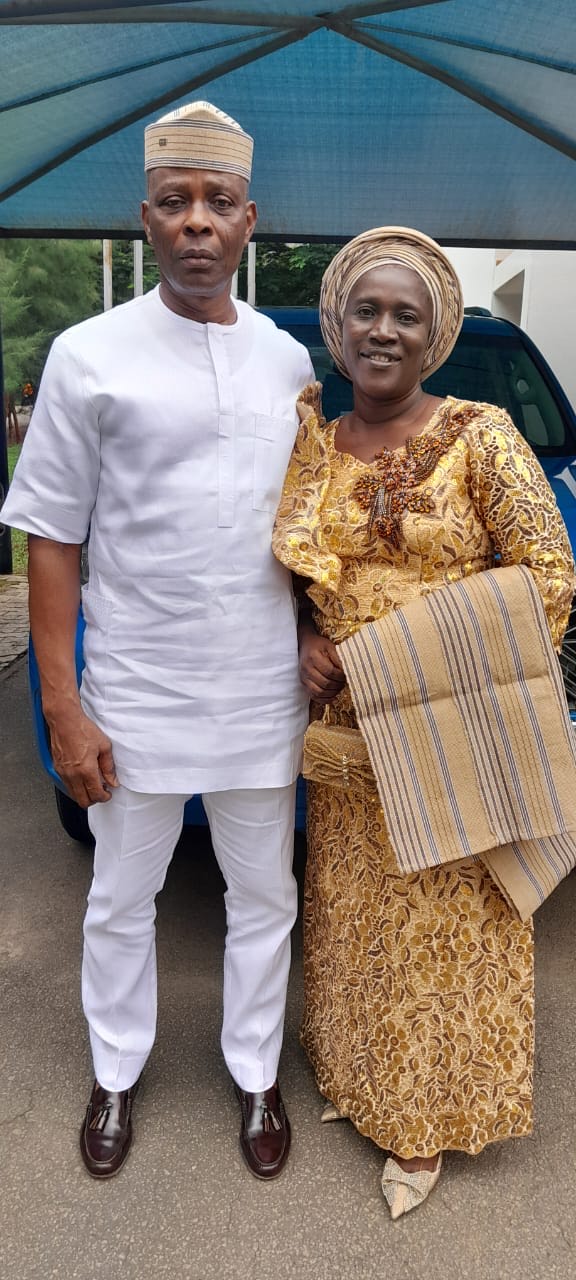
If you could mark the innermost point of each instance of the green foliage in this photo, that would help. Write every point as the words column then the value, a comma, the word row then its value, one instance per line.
column 48, row 285
column 19, row 539
column 288, row 275
column 13, row 456
column 21, row 348
column 123, row 270
column 45, row 286
column 62, row 278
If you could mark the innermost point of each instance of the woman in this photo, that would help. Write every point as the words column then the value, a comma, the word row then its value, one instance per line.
column 419, row 988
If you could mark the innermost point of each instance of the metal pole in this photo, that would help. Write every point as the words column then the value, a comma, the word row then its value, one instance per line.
column 234, row 285
column 5, row 539
column 138, row 247
column 251, row 282
column 107, row 273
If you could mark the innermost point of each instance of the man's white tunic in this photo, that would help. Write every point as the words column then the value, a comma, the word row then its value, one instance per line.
column 169, row 441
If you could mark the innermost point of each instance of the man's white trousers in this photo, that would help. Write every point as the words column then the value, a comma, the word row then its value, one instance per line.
column 252, row 835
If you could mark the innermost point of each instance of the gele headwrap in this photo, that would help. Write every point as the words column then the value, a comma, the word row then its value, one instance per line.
column 198, row 136
column 394, row 246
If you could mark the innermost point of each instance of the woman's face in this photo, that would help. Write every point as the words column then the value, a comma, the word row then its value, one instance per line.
column 385, row 332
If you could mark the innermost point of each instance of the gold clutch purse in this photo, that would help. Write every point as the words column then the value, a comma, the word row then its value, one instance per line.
column 336, row 755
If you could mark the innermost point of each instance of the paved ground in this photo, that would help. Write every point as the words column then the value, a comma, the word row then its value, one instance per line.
column 13, row 618
column 185, row 1208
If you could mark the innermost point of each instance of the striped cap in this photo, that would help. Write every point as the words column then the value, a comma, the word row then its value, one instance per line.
column 198, row 136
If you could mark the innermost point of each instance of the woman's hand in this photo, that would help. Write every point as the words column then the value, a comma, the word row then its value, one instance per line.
column 320, row 667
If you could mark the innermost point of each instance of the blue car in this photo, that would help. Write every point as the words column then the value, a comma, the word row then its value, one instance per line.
column 493, row 361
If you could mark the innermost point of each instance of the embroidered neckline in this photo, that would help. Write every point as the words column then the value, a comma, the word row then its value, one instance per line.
column 389, row 485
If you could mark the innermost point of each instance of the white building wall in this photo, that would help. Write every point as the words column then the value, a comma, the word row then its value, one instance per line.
column 534, row 288
column 475, row 267
column 511, row 285
column 548, row 310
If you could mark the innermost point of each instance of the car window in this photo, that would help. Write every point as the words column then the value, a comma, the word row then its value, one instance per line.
column 501, row 371
column 310, row 336
column 336, row 390
column 488, row 367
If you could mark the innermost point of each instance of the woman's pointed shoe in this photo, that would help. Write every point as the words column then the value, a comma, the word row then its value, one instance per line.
column 404, row 1191
column 331, row 1112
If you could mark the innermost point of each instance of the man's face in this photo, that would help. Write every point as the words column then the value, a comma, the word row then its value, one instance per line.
column 197, row 221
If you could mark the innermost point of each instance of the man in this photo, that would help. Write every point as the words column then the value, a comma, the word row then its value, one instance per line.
column 164, row 427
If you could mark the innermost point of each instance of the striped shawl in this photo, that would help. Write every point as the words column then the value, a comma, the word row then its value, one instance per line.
column 460, row 700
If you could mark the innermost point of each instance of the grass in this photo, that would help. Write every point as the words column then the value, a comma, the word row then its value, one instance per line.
column 19, row 539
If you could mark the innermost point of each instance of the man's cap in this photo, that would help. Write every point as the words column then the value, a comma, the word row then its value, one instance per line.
column 198, row 136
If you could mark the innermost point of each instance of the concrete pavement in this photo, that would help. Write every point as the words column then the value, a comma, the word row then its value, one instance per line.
column 13, row 618
column 185, row 1208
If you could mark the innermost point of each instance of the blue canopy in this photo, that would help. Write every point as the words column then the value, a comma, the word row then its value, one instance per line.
column 454, row 116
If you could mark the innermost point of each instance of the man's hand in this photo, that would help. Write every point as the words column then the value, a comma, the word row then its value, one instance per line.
column 320, row 667
column 82, row 755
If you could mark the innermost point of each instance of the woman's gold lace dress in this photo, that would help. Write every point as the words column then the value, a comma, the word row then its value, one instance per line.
column 418, row 989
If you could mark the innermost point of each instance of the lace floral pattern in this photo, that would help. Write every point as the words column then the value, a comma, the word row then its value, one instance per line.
column 419, row 989
column 418, row 1014
column 489, row 497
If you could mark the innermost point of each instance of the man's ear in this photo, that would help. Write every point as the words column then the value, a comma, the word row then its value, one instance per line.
column 144, row 214
column 251, row 220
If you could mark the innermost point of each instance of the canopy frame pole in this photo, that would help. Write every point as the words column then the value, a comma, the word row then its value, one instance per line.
column 251, row 274
column 138, row 259
column 107, row 274
column 146, row 65
column 73, row 12
column 475, row 46
column 162, row 100
column 543, row 134
column 33, row 13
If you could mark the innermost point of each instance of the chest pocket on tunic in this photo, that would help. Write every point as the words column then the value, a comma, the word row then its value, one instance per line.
column 273, row 442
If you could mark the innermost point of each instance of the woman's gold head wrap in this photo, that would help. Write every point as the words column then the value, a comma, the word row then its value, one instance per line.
column 394, row 246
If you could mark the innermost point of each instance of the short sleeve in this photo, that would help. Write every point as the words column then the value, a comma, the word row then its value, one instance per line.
column 517, row 507
column 56, row 479
column 297, row 539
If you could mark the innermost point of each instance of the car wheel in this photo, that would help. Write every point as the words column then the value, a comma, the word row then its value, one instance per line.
column 73, row 818
column 568, row 661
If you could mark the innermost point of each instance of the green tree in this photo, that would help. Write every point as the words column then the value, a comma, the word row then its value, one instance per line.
column 48, row 285
column 57, row 282
column 123, row 270
column 21, row 348
column 288, row 275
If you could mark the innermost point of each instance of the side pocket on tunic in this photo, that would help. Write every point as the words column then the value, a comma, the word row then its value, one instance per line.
column 97, row 612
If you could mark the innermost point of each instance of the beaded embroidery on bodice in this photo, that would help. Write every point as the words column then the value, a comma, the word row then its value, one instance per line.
column 390, row 486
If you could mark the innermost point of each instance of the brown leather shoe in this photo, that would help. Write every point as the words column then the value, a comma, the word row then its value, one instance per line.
column 106, row 1135
column 265, row 1131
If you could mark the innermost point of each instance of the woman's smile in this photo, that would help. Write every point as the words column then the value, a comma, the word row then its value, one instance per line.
column 379, row 357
